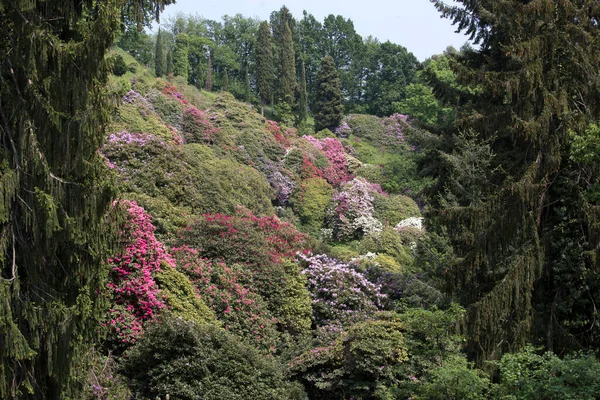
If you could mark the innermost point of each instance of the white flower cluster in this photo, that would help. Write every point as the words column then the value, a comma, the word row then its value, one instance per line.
column 410, row 223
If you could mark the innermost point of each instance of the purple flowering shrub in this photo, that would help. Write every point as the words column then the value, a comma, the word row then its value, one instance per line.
column 280, row 180
column 343, row 130
column 340, row 294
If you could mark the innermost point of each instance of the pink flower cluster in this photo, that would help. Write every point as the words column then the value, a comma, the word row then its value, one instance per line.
column 394, row 126
column 136, row 138
column 197, row 126
column 172, row 92
column 134, row 290
column 353, row 213
column 336, row 172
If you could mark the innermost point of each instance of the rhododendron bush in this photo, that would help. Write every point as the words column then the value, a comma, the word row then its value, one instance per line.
column 336, row 172
column 136, row 297
column 339, row 293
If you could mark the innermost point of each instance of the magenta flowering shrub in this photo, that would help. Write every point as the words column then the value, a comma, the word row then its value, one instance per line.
column 197, row 126
column 228, row 291
column 136, row 297
column 340, row 294
column 279, row 136
column 336, row 172
column 352, row 217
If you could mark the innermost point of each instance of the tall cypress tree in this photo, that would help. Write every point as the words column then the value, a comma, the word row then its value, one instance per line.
column 329, row 109
column 169, row 62
column 303, row 101
column 535, row 81
column 287, row 79
column 54, row 190
column 264, row 65
column 159, row 56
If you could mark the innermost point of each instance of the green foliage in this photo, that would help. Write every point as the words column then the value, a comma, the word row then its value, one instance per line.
column 168, row 109
column 180, row 56
column 293, row 303
column 187, row 361
column 456, row 379
column 181, row 298
column 265, row 73
column 118, row 65
column 392, row 209
column 329, row 109
column 309, row 201
column 134, row 118
column 357, row 363
column 160, row 67
column 529, row 375
column 391, row 243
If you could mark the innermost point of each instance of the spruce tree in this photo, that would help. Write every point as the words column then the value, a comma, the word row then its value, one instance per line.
column 55, row 189
column 181, row 63
column 264, row 65
column 159, row 56
column 329, row 109
column 535, row 86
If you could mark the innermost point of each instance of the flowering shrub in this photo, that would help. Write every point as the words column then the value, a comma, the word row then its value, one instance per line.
column 340, row 294
column 343, row 130
column 353, row 213
column 228, row 291
column 197, row 126
column 137, row 139
column 283, row 185
column 171, row 91
column 336, row 172
column 394, row 126
column 136, row 296
column 275, row 130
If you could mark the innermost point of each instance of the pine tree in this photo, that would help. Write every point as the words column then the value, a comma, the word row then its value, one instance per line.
column 535, row 81
column 329, row 109
column 264, row 65
column 287, row 79
column 303, row 102
column 54, row 187
column 181, row 63
column 159, row 56
column 208, row 85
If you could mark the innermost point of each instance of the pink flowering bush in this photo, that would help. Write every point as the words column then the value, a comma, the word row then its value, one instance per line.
column 394, row 127
column 228, row 291
column 352, row 216
column 336, row 172
column 197, row 126
column 136, row 297
column 279, row 136
column 340, row 294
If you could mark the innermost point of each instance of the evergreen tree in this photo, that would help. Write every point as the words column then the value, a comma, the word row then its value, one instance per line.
column 169, row 62
column 208, row 86
column 159, row 56
column 181, row 64
column 264, row 65
column 54, row 190
column 329, row 109
column 225, row 80
column 535, row 81
column 303, row 102
column 287, row 79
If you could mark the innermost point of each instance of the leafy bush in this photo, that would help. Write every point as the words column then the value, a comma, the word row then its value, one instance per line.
column 367, row 127
column 119, row 67
column 394, row 208
column 188, row 361
column 310, row 200
column 358, row 364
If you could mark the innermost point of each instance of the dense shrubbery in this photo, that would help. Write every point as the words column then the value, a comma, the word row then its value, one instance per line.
column 310, row 200
column 189, row 361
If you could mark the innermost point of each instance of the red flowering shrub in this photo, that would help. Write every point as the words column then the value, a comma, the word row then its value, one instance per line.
column 275, row 130
column 228, row 291
column 136, row 297
column 171, row 91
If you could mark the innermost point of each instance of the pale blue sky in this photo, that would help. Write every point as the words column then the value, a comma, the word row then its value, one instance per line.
column 414, row 24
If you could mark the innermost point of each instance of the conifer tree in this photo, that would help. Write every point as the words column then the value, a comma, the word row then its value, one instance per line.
column 329, row 109
column 535, row 85
column 303, row 101
column 264, row 65
column 225, row 80
column 54, row 187
column 209, row 84
column 159, row 56
column 181, row 63
column 169, row 62
column 287, row 79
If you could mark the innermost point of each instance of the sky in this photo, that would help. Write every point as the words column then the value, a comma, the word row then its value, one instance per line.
column 414, row 24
